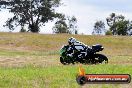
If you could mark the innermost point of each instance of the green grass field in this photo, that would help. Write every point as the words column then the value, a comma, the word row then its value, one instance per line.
column 32, row 60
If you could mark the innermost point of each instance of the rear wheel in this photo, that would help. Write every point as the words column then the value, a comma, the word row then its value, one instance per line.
column 100, row 58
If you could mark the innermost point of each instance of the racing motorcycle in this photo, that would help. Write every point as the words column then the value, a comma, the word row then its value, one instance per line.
column 89, row 55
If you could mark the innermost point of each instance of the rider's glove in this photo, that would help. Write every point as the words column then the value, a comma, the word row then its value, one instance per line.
column 70, row 55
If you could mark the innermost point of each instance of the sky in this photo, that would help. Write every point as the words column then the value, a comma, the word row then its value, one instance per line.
column 87, row 13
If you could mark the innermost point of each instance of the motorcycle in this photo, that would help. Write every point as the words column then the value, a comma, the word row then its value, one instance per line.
column 70, row 55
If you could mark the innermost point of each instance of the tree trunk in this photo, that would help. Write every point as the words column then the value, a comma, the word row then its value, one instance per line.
column 33, row 28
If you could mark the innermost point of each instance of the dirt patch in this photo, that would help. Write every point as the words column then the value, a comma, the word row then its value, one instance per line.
column 31, row 60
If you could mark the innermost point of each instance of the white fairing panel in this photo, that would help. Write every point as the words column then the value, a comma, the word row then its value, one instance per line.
column 79, row 46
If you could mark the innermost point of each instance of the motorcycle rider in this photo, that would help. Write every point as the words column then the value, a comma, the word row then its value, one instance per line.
column 77, row 46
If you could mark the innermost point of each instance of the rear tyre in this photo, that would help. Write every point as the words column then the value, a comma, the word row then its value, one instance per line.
column 100, row 58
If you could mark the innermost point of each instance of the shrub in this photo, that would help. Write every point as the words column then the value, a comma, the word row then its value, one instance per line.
column 108, row 32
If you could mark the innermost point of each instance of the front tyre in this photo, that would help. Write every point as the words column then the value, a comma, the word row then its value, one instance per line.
column 64, row 61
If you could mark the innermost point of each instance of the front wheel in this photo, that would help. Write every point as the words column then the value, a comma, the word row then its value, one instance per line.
column 101, row 58
column 64, row 61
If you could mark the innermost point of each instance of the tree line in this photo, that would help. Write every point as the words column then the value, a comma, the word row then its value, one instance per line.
column 117, row 24
column 35, row 13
